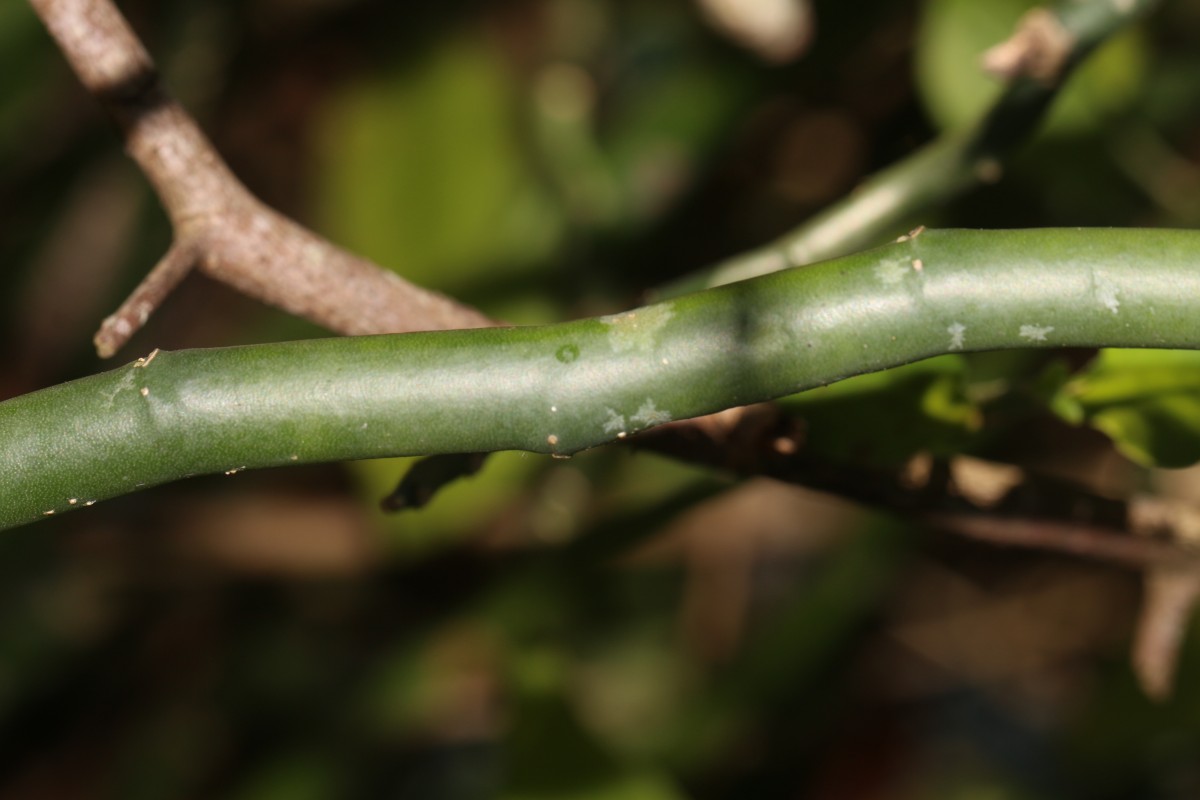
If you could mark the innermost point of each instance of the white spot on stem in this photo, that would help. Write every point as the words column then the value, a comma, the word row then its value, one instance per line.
column 636, row 330
column 615, row 423
column 127, row 381
column 892, row 272
column 1106, row 293
column 957, row 333
column 1035, row 333
column 552, row 440
column 649, row 415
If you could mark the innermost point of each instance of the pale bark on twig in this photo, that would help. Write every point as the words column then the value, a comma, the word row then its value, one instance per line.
column 150, row 293
column 228, row 233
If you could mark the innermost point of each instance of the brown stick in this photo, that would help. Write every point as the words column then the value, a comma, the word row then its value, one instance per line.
column 230, row 234
column 167, row 273
column 1072, row 538
column 1030, row 511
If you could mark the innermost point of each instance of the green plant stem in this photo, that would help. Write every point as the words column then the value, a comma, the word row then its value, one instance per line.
column 562, row 388
column 943, row 169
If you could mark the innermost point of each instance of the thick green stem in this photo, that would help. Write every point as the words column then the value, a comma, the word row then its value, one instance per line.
column 562, row 388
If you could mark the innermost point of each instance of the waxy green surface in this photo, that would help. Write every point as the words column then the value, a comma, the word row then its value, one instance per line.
column 562, row 388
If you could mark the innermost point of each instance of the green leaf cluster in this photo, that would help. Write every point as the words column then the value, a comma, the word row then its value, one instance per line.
column 1146, row 401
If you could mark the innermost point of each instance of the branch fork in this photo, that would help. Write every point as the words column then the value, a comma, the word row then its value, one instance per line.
column 219, row 226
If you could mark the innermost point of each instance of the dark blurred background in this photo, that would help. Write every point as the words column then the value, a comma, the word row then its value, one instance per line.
column 613, row 626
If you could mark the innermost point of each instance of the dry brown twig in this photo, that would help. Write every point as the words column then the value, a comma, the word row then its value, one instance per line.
column 218, row 225
column 1000, row 504
column 220, row 228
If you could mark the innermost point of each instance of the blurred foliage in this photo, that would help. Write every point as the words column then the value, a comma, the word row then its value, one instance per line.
column 954, row 34
column 18, row 55
column 1147, row 401
column 885, row 418
column 423, row 172
column 616, row 626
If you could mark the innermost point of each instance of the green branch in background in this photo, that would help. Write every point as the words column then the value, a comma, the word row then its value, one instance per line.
column 562, row 388
column 938, row 172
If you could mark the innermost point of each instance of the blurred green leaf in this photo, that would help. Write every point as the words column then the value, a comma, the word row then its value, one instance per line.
column 625, row 131
column 665, row 125
column 953, row 36
column 886, row 417
column 422, row 171
column 1050, row 388
column 1146, row 401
